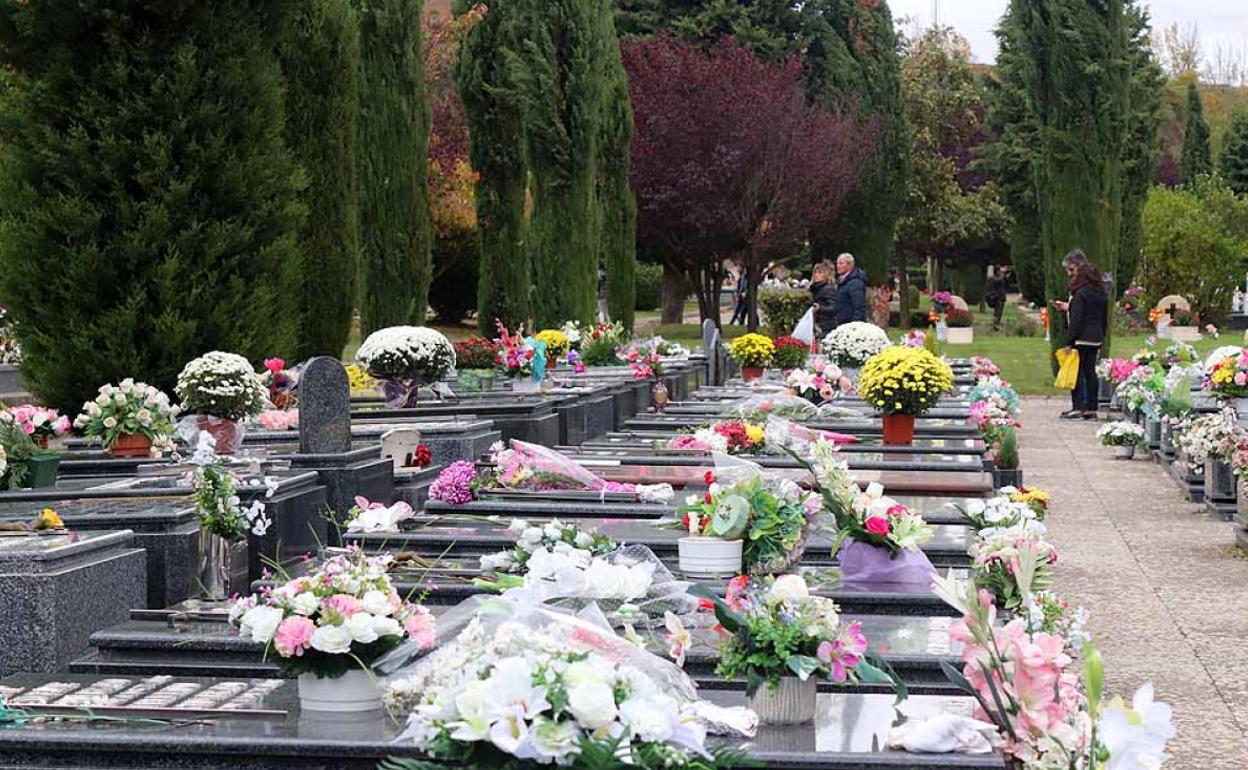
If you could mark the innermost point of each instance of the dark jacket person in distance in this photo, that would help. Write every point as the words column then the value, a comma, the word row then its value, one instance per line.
column 851, row 292
column 1087, row 319
column 823, row 294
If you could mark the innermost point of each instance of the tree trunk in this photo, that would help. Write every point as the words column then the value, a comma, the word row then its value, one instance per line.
column 753, row 276
column 674, row 285
column 903, row 290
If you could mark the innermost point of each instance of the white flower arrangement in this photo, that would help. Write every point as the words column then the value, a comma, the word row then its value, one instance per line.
column 1140, row 390
column 553, row 535
column 1121, row 434
column 997, row 512
column 545, row 692
column 853, row 343
column 222, row 385
column 126, row 409
column 407, row 353
column 1215, row 435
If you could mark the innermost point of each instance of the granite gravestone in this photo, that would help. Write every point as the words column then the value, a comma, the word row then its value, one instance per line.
column 324, row 408
column 709, row 334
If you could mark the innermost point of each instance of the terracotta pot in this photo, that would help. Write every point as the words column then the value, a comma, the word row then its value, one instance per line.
column 228, row 433
column 749, row 373
column 131, row 445
column 898, row 429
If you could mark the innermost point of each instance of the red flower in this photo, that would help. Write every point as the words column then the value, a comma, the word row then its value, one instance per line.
column 422, row 456
column 708, row 499
column 685, row 521
column 878, row 525
column 897, row 510
column 706, row 604
column 710, row 477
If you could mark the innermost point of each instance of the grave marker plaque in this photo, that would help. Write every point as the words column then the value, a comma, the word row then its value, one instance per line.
column 324, row 408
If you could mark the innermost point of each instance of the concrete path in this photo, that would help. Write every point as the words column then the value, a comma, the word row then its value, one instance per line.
column 1166, row 589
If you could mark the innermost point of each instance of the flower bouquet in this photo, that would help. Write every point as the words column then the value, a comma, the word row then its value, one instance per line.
column 915, row 338
column 1141, row 391
column 224, row 522
column 553, row 535
column 996, row 391
column 1012, row 562
column 523, row 686
column 40, row 423
column 941, row 300
column 770, row 517
column 217, row 390
column 780, row 639
column 819, row 384
column 790, row 353
column 1124, row 437
column 753, row 353
column 331, row 626
column 733, row 437
column 851, row 344
column 475, row 353
column 1228, row 380
column 600, row 343
column 1038, row 499
column 992, row 419
column 281, row 382
column 557, row 345
column 526, row 466
column 903, row 383
column 642, row 356
column 367, row 516
column 456, row 484
column 521, row 358
column 129, row 418
column 404, row 358
column 998, row 512
column 758, row 407
column 982, row 366
column 1217, row 435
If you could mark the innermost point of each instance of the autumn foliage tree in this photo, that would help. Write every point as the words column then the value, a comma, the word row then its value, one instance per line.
column 731, row 160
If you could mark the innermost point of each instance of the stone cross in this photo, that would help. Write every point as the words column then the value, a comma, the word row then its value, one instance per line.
column 324, row 407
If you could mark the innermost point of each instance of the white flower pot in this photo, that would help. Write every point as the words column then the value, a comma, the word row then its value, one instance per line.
column 354, row 691
column 960, row 335
column 1124, row 452
column 709, row 556
column 1184, row 333
column 792, row 703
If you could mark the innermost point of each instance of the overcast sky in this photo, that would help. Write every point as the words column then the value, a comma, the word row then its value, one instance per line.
column 1218, row 21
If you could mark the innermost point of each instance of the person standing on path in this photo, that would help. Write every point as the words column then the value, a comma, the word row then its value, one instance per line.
column 1087, row 319
column 740, row 310
column 851, row 292
column 997, row 292
column 823, row 293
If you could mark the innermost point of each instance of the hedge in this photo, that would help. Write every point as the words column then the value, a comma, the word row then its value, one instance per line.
column 649, row 286
column 781, row 309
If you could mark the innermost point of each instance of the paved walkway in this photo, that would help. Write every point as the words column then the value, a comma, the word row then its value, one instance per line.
column 1166, row 589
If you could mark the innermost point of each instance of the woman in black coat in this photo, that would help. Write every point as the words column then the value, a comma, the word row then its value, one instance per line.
column 1087, row 319
column 823, row 292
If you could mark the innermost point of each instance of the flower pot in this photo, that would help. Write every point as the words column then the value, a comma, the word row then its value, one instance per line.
column 41, row 470
column 355, row 691
column 792, row 703
column 221, row 568
column 1241, row 407
column 898, row 429
column 960, row 335
column 709, row 556
column 130, row 445
column 1007, row 477
column 1124, row 452
column 228, row 433
column 749, row 373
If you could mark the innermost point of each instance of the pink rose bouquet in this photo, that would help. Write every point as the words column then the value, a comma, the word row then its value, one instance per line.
column 39, row 423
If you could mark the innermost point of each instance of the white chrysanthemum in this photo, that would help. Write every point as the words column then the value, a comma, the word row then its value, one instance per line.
column 853, row 343
column 407, row 352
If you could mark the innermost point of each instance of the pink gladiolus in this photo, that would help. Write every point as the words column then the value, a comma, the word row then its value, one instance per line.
column 293, row 636
column 275, row 365
column 421, row 628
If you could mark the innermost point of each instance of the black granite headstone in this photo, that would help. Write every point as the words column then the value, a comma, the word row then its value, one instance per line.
column 324, row 407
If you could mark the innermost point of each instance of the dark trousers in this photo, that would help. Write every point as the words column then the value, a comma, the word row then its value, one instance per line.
column 740, row 311
column 1086, row 394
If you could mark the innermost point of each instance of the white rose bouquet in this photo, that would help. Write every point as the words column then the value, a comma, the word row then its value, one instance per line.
column 853, row 343
column 554, row 535
column 220, row 384
column 1120, row 434
column 345, row 615
column 1217, row 435
column 126, row 409
column 404, row 358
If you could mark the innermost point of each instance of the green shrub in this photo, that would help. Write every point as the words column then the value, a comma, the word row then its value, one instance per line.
column 781, row 309
column 649, row 280
column 1020, row 325
column 914, row 295
column 1007, row 449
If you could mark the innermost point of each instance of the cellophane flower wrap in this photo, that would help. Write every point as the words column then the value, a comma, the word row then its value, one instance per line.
column 40, row 423
column 343, row 616
column 982, row 366
column 996, row 391
column 369, row 516
column 1217, row 435
column 525, row 682
column 1050, row 714
column 904, row 380
column 1142, row 390
column 222, row 385
column 521, row 465
column 735, row 437
column 127, row 408
column 773, row 516
column 774, row 627
column 992, row 419
column 1120, row 433
column 1004, row 510
column 819, row 383
column 853, row 343
column 782, row 434
column 517, row 356
column 551, row 535
column 752, row 350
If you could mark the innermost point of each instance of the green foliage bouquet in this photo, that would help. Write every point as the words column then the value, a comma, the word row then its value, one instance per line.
column 221, row 385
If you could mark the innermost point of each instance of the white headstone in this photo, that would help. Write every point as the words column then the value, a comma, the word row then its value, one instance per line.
column 399, row 446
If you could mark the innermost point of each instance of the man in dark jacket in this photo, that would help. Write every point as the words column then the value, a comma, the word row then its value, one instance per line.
column 823, row 292
column 851, row 292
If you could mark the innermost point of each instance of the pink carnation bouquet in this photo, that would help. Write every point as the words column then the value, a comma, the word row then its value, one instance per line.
column 345, row 615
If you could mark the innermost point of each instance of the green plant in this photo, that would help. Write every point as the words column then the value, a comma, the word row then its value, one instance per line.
column 902, row 380
column 600, row 343
column 791, row 353
column 476, row 353
column 649, row 280
column 18, row 448
column 1007, row 449
column 782, row 309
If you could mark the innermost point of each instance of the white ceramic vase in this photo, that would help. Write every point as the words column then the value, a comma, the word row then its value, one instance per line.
column 1124, row 451
column 792, row 703
column 354, row 691
column 708, row 557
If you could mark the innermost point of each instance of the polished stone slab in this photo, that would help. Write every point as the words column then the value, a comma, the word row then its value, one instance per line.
column 848, row 732
column 650, row 455
column 924, row 427
column 921, row 446
column 56, row 589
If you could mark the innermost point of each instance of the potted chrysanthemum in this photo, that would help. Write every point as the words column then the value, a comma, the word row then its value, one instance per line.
column 851, row 344
column 902, row 383
column 404, row 358
column 753, row 353
column 129, row 418
column 220, row 390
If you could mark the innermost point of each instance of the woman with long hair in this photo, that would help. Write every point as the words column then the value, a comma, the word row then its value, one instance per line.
column 1087, row 319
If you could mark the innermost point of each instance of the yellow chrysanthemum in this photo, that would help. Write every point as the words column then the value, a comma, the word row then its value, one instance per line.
column 752, row 350
column 754, row 433
column 556, row 341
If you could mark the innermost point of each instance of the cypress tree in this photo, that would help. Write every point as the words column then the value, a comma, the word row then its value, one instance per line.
column 150, row 206
column 561, row 88
column 1233, row 161
column 1196, row 158
column 320, row 55
column 497, row 150
column 617, row 208
column 1142, row 147
column 395, row 228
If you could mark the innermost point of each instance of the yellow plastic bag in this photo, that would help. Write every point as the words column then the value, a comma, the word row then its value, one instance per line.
column 1068, row 369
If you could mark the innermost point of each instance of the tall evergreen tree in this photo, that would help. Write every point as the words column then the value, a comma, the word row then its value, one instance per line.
column 1076, row 77
column 150, row 206
column 561, row 87
column 1142, row 147
column 1196, row 158
column 486, row 79
column 1233, row 162
column 320, row 55
column 616, row 207
column 393, row 140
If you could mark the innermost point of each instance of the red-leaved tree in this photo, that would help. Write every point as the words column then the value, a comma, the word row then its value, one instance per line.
column 731, row 161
